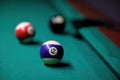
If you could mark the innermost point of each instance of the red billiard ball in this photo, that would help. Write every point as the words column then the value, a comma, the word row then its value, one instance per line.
column 25, row 32
column 57, row 24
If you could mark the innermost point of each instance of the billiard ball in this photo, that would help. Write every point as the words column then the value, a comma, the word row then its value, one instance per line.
column 25, row 32
column 51, row 52
column 57, row 24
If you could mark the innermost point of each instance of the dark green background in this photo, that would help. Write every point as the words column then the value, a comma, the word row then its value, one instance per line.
column 22, row 62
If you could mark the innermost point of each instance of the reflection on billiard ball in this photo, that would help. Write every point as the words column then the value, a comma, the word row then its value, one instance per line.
column 51, row 52
column 25, row 32
column 57, row 24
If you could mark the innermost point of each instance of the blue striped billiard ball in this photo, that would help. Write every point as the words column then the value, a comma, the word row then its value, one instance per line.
column 51, row 52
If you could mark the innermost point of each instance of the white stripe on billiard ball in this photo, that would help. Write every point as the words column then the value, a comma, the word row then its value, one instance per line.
column 51, row 42
column 30, row 30
column 22, row 25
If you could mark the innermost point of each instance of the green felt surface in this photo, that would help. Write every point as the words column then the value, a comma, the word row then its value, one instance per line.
column 106, row 48
column 22, row 62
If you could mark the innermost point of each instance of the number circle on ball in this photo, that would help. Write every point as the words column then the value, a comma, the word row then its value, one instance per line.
column 53, row 51
column 31, row 30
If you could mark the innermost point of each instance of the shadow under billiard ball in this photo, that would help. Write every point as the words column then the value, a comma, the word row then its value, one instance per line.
column 32, row 43
column 59, row 65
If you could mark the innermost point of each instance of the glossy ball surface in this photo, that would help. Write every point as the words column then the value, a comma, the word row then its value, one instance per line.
column 51, row 52
column 57, row 24
column 25, row 32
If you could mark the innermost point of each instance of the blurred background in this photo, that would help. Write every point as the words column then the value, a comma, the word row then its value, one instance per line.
column 101, row 9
